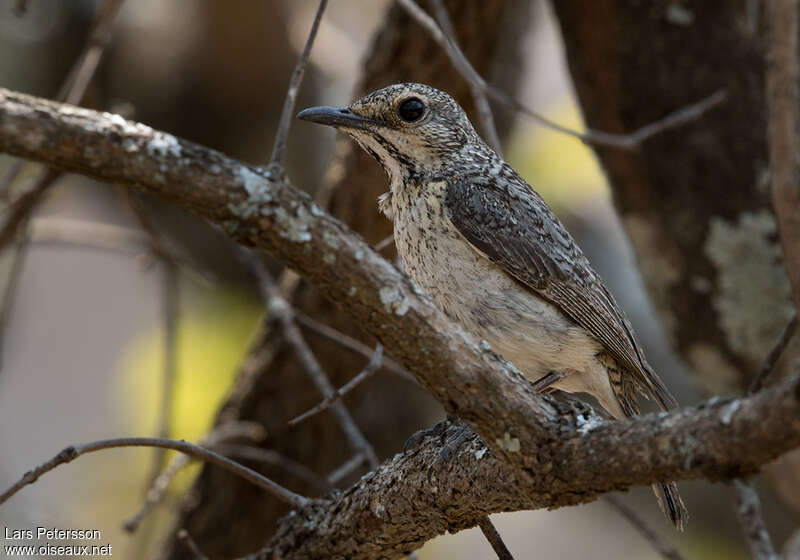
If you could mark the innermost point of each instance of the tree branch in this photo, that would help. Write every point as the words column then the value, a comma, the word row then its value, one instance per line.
column 547, row 453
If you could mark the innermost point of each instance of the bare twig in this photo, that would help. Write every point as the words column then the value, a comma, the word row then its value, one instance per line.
column 72, row 91
column 74, row 451
column 344, row 470
column 659, row 543
column 11, row 176
column 491, row 534
column 477, row 84
column 748, row 509
column 83, row 71
column 278, row 158
column 369, row 369
column 351, row 344
column 773, row 356
column 184, row 536
column 170, row 297
column 155, row 493
column 629, row 141
column 274, row 458
column 160, row 484
column 782, row 121
column 20, row 210
column 279, row 309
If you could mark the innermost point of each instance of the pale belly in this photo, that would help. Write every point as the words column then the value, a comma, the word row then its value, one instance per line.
column 522, row 327
column 525, row 329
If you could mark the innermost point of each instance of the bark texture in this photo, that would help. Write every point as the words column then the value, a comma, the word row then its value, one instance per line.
column 695, row 200
column 562, row 451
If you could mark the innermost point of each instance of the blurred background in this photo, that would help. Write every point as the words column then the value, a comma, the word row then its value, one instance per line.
column 83, row 347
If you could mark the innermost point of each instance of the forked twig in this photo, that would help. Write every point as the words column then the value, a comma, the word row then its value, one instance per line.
column 72, row 452
column 369, row 369
column 628, row 141
column 351, row 344
column 278, row 158
column 280, row 310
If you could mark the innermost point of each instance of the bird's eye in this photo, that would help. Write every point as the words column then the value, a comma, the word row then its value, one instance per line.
column 411, row 109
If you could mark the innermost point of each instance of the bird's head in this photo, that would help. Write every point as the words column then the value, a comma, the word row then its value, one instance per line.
column 411, row 129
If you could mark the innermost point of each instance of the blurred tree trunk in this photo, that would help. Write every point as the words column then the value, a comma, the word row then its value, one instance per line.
column 225, row 515
column 694, row 200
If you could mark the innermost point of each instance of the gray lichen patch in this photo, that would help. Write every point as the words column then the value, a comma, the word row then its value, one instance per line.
column 163, row 145
column 753, row 296
column 258, row 187
column 294, row 228
column 394, row 301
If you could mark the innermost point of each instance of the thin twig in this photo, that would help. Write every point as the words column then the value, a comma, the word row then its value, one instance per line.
column 477, row 84
column 350, row 343
column 160, row 484
column 21, row 209
column 629, row 141
column 369, row 369
column 11, row 176
column 278, row 158
column 773, row 356
column 274, row 458
column 184, row 536
column 74, row 451
column 748, row 509
column 659, row 543
column 155, row 493
column 82, row 72
column 280, row 310
column 169, row 302
column 345, row 469
column 491, row 534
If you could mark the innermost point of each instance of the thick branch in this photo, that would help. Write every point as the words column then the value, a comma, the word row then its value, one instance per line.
column 407, row 501
column 551, row 453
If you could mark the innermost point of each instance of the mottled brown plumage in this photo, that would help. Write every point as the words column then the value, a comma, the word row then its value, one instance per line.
column 485, row 246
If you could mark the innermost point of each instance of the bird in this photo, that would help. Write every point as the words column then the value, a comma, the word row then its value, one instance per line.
column 480, row 241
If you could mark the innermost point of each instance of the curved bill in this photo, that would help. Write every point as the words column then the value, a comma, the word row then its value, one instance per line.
column 334, row 116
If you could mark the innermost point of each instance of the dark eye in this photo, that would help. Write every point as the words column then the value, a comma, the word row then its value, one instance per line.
column 411, row 109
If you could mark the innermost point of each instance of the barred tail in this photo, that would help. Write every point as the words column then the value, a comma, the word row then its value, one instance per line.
column 624, row 388
column 669, row 500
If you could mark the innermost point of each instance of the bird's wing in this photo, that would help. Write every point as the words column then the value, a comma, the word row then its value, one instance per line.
column 506, row 220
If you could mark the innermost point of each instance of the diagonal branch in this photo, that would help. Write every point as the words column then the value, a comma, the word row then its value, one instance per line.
column 552, row 453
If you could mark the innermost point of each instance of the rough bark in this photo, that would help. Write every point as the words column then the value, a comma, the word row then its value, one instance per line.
column 563, row 451
column 272, row 386
column 695, row 200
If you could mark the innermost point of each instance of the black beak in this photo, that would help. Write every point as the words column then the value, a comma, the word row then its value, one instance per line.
column 334, row 116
